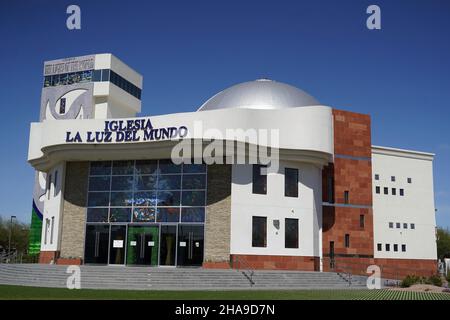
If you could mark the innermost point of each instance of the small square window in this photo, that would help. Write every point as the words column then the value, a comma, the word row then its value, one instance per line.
column 402, row 192
column 386, row 190
column 397, row 225
column 413, row 226
column 377, row 189
column 409, row 180
column 393, row 178
column 391, row 225
column 405, row 226
column 377, row 177
column 379, row 247
column 395, row 247
column 403, row 247
column 388, row 247
column 394, row 191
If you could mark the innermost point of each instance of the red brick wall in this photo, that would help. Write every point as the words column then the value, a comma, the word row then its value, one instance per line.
column 277, row 262
column 46, row 257
column 352, row 138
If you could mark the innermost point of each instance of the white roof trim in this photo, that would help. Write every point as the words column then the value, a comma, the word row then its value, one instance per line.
column 403, row 153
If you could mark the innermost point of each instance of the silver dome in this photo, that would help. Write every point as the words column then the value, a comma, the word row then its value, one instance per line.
column 259, row 94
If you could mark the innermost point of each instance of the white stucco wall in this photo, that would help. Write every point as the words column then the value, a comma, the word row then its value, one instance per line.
column 416, row 206
column 275, row 206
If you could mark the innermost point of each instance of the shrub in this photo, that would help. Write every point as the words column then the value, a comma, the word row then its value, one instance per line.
column 434, row 280
column 410, row 280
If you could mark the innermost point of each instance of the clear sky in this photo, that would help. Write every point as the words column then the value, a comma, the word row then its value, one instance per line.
column 189, row 50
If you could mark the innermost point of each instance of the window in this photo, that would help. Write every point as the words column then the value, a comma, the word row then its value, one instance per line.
column 97, row 75
column 386, row 190
column 362, row 221
column 47, row 226
column 379, row 247
column 347, row 240
column 346, row 197
column 377, row 177
column 388, row 247
column 403, row 247
column 49, row 184
column 391, row 225
column 55, row 183
column 259, row 232
column 105, row 75
column 402, row 192
column 291, row 182
column 405, row 226
column 394, row 191
column 413, row 226
column 51, row 230
column 377, row 189
column 291, row 233
column 398, row 225
column 259, row 180
column 409, row 180
column 393, row 178
column 62, row 106
column 395, row 247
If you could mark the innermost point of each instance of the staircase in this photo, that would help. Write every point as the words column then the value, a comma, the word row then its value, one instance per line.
column 145, row 278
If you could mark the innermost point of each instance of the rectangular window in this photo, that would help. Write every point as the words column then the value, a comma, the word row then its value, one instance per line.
column 405, row 226
column 259, row 180
column 49, row 185
column 347, row 240
column 409, row 180
column 386, row 190
column 97, row 75
column 391, row 225
column 377, row 177
column 105, row 75
column 393, row 178
column 47, row 226
column 394, row 191
column 259, row 232
column 403, row 247
column 377, row 189
column 395, row 247
column 51, row 230
column 402, row 192
column 397, row 225
column 346, row 197
column 62, row 106
column 55, row 184
column 291, row 233
column 291, row 182
column 379, row 247
column 330, row 188
column 388, row 247
column 413, row 226
column 362, row 220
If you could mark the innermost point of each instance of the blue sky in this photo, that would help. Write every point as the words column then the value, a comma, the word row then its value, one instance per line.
column 189, row 50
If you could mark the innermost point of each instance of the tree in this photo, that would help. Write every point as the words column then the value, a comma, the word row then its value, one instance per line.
column 443, row 243
column 19, row 239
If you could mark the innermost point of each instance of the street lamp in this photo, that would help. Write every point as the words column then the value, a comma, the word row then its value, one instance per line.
column 10, row 234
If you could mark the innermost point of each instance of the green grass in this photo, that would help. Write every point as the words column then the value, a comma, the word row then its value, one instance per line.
column 24, row 293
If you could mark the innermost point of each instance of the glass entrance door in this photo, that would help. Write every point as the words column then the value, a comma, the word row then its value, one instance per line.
column 96, row 245
column 190, row 245
column 142, row 245
column 117, row 244
column 168, row 245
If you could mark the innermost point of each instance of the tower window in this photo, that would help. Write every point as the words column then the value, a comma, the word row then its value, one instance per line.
column 346, row 197
column 394, row 191
column 347, row 240
column 393, row 178
column 259, row 232
column 395, row 247
column 405, row 226
column 291, row 182
column 402, row 192
column 409, row 180
column 377, row 189
column 377, row 177
column 386, row 190
column 403, row 247
column 291, row 233
column 391, row 225
column 413, row 226
column 259, row 180
column 379, row 247
column 398, row 225
column 388, row 247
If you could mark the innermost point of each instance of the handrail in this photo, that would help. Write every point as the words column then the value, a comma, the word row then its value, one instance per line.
column 240, row 261
column 11, row 257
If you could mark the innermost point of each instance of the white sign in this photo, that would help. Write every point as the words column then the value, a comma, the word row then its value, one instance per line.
column 151, row 243
column 133, row 243
column 182, row 244
column 118, row 244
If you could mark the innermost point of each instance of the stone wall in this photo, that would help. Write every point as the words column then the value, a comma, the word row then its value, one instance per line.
column 218, row 217
column 74, row 211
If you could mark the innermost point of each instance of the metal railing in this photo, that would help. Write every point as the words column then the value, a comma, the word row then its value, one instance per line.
column 242, row 265
column 11, row 257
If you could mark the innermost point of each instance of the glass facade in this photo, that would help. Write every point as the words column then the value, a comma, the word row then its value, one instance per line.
column 157, row 195
column 92, row 75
